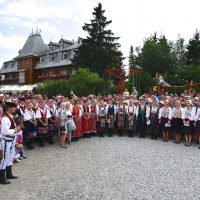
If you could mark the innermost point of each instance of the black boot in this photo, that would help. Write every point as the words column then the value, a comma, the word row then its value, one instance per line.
column 3, row 177
column 41, row 142
column 51, row 139
column 9, row 174
column 30, row 144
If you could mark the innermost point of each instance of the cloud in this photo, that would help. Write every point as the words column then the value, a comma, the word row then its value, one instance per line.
column 133, row 20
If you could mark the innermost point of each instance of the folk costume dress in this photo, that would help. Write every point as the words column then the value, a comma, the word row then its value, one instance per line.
column 141, row 120
column 110, row 112
column 176, row 120
column 42, row 131
column 197, row 123
column 86, row 120
column 188, row 118
column 77, row 115
column 131, row 120
column 52, row 126
column 152, row 121
column 121, row 115
column 31, row 129
column 165, row 117
column 102, row 120
column 93, row 118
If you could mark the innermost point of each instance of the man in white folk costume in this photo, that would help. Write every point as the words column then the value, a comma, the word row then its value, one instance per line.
column 9, row 132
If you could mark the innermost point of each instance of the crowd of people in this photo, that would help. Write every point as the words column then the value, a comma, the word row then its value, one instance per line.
column 32, row 118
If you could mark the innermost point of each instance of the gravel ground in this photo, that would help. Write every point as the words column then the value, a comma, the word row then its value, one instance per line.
column 108, row 168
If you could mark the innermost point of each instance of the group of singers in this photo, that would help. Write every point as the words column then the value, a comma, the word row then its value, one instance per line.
column 39, row 119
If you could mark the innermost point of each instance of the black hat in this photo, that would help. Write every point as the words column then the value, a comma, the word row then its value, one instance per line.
column 21, row 98
column 10, row 104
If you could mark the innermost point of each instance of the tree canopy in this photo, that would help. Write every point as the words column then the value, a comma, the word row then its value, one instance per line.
column 99, row 50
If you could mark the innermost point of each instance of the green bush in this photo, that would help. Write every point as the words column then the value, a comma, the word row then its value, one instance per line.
column 82, row 83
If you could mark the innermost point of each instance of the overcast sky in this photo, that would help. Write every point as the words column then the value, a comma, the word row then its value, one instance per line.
column 133, row 20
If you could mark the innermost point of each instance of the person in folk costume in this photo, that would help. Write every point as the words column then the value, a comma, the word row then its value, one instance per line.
column 42, row 116
column 131, row 118
column 188, row 117
column 197, row 123
column 77, row 116
column 19, row 115
column 101, row 118
column 177, row 121
column 165, row 117
column 9, row 132
column 86, row 124
column 152, row 118
column 35, row 105
column 52, row 122
column 94, row 108
column 141, row 118
column 13, row 97
column 116, row 104
column 121, row 114
column 195, row 103
column 111, row 111
column 30, row 125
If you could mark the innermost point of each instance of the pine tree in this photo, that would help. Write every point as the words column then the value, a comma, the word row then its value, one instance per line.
column 132, row 58
column 193, row 50
column 99, row 50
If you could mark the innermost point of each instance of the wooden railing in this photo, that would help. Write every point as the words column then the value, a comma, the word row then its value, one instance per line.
column 44, row 78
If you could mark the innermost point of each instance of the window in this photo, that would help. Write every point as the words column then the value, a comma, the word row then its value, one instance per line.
column 64, row 55
column 51, row 57
column 51, row 47
column 41, row 59
column 61, row 45
column 6, row 65
column 21, row 77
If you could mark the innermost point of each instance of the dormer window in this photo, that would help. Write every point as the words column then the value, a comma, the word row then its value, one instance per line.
column 61, row 45
column 51, row 47
column 51, row 57
column 41, row 59
column 64, row 55
column 6, row 65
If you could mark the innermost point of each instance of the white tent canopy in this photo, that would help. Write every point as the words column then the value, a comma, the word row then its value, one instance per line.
column 17, row 88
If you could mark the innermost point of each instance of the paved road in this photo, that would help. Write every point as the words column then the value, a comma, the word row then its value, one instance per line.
column 108, row 169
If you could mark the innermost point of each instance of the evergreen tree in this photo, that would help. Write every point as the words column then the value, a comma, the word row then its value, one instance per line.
column 193, row 50
column 100, row 50
column 132, row 58
column 178, row 51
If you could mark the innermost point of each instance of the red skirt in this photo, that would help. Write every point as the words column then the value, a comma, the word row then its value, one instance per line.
column 78, row 132
column 93, row 124
column 86, row 125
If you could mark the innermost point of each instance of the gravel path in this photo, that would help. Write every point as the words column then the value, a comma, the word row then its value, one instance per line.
column 108, row 168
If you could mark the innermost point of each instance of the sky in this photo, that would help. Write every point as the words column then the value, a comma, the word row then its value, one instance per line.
column 133, row 20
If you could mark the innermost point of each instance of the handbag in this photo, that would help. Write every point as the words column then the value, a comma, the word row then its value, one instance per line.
column 71, row 125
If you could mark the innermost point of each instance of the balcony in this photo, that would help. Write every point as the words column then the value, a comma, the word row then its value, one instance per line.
column 13, row 81
column 55, row 77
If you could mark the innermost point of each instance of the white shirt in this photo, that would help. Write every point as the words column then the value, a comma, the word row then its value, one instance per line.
column 197, row 116
column 29, row 115
column 5, row 127
column 163, row 110
column 189, row 114
column 115, row 108
column 39, row 116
